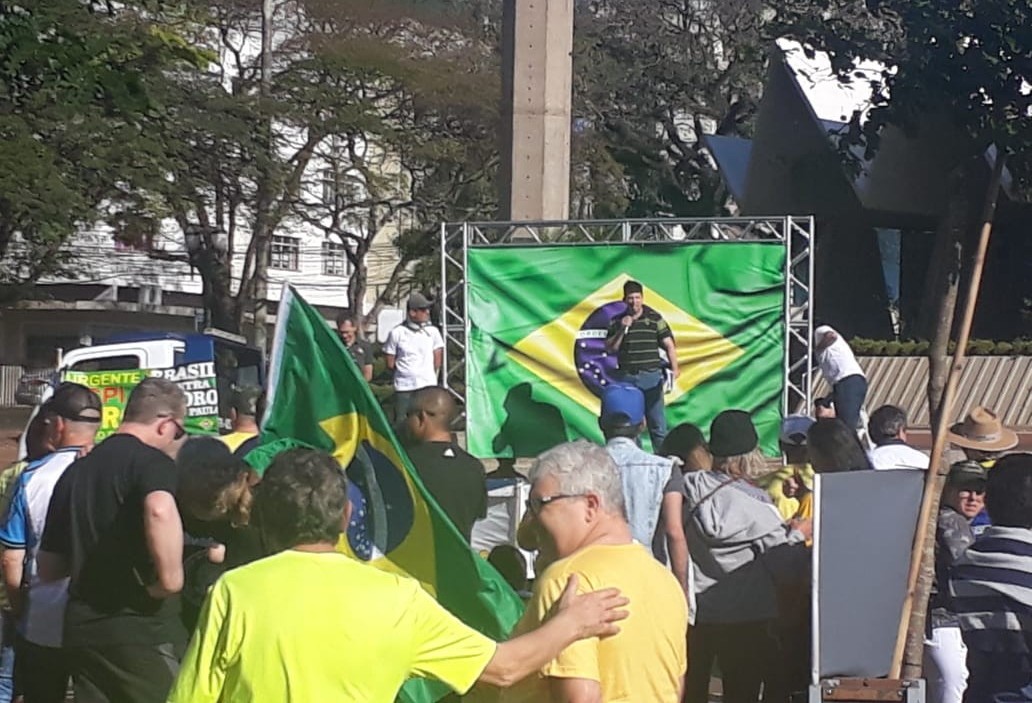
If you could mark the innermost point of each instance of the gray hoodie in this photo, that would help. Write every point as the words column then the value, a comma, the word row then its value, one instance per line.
column 739, row 547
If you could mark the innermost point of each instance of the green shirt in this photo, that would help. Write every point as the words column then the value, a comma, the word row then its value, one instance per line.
column 639, row 350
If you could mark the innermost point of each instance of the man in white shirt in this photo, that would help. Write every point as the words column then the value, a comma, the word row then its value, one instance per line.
column 888, row 430
column 41, row 668
column 843, row 373
column 414, row 351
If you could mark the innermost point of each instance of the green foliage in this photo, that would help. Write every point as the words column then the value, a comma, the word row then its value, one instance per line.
column 650, row 78
column 965, row 63
column 976, row 347
column 77, row 83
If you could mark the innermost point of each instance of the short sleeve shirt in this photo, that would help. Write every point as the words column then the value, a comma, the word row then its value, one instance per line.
column 362, row 352
column 413, row 352
column 95, row 521
column 646, row 660
column 347, row 632
column 22, row 528
column 639, row 350
column 455, row 479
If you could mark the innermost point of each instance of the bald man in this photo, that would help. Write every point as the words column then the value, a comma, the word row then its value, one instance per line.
column 454, row 478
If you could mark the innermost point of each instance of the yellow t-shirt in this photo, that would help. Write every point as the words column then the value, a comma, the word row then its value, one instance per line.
column 805, row 511
column 648, row 659
column 773, row 484
column 308, row 627
column 233, row 440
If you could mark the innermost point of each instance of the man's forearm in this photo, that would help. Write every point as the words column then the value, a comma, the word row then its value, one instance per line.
column 14, row 570
column 613, row 342
column 679, row 559
column 671, row 350
column 522, row 656
column 163, row 530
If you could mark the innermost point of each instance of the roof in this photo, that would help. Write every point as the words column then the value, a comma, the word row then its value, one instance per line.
column 1000, row 383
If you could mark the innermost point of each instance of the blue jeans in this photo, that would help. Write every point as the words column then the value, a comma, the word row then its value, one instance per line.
column 7, row 638
column 849, row 395
column 651, row 384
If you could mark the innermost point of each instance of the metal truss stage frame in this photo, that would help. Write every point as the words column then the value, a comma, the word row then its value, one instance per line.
column 796, row 233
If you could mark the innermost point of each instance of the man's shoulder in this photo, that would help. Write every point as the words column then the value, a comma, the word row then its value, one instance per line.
column 445, row 455
column 624, row 450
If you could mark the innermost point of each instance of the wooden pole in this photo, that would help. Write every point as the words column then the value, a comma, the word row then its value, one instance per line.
column 910, row 637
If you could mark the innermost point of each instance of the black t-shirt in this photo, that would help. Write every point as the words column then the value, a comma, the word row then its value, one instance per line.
column 362, row 353
column 95, row 521
column 455, row 479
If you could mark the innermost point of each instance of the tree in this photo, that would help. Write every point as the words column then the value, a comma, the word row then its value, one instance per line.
column 651, row 78
column 365, row 103
column 965, row 64
column 77, row 89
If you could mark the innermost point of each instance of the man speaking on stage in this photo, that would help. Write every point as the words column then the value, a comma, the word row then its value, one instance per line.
column 637, row 335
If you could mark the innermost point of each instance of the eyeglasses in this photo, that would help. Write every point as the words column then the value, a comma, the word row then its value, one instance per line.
column 534, row 505
column 180, row 430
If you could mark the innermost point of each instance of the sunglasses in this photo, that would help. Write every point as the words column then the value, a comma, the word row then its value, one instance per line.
column 536, row 504
column 180, row 430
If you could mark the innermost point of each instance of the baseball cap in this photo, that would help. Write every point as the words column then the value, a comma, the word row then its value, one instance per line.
column 966, row 472
column 245, row 400
column 622, row 405
column 74, row 401
column 418, row 301
column 794, row 429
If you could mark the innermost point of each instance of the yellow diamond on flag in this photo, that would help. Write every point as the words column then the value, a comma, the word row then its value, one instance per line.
column 550, row 352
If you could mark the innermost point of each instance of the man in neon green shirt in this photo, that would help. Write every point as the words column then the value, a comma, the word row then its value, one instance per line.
column 311, row 624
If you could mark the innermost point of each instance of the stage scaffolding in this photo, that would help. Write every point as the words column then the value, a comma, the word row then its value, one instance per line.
column 795, row 233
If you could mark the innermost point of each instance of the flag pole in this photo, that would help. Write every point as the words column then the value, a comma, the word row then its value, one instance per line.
column 910, row 636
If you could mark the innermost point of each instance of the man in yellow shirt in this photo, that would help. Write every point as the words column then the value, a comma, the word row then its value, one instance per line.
column 577, row 500
column 310, row 624
column 244, row 415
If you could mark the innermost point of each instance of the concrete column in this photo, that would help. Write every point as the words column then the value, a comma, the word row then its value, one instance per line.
column 537, row 83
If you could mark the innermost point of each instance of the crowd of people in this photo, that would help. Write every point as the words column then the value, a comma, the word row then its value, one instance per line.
column 158, row 567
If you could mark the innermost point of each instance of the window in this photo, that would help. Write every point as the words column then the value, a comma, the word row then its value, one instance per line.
column 334, row 259
column 107, row 363
column 285, row 253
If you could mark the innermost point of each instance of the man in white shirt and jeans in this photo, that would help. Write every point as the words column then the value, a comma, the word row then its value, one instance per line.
column 843, row 373
column 887, row 428
column 414, row 351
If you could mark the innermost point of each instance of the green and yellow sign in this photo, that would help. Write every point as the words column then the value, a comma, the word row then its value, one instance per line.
column 197, row 381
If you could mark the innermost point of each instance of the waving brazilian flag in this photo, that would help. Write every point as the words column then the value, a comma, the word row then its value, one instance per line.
column 318, row 396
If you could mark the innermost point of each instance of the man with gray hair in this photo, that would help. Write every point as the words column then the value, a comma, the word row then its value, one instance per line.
column 114, row 530
column 577, row 500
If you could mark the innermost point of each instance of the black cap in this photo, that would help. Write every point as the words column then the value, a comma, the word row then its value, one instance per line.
column 732, row 433
column 632, row 287
column 73, row 401
column 245, row 400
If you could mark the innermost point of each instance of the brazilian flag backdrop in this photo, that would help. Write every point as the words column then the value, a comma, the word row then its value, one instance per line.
column 317, row 396
column 536, row 359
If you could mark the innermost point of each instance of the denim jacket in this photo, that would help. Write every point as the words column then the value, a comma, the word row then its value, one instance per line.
column 643, row 477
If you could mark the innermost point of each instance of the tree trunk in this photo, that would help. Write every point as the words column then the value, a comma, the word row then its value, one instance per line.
column 922, row 570
column 943, row 282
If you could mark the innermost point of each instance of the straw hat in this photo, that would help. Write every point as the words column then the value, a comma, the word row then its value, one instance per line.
column 982, row 430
